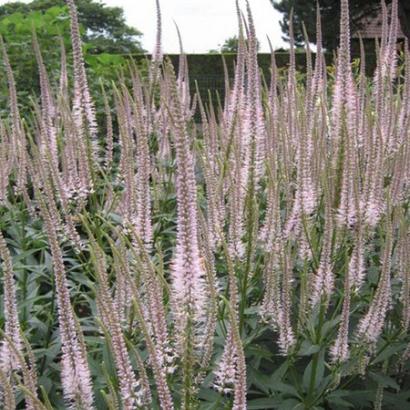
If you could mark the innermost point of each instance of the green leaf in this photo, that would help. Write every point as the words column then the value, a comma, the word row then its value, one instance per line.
column 336, row 400
column 285, row 388
column 209, row 395
column 384, row 380
column 108, row 59
column 279, row 372
column 307, row 348
column 266, row 403
column 330, row 325
column 261, row 381
column 340, row 403
column 396, row 401
column 291, row 404
column 388, row 352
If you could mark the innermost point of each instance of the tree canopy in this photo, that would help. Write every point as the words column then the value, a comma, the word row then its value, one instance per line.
column 305, row 11
column 230, row 45
column 105, row 28
column 106, row 37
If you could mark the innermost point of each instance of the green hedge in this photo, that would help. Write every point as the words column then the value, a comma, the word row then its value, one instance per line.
column 207, row 70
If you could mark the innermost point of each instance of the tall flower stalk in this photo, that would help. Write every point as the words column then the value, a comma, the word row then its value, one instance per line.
column 12, row 329
column 214, row 237
column 75, row 374
column 83, row 106
column 189, row 295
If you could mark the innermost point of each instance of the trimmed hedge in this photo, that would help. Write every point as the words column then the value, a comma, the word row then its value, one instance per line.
column 207, row 70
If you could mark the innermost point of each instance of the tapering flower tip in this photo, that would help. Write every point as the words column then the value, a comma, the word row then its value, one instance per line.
column 292, row 57
column 251, row 24
column 17, row 140
column 234, row 102
column 388, row 51
column 63, row 82
column 48, row 131
column 254, row 119
column 83, row 105
column 320, row 65
column 385, row 24
column 318, row 29
column 239, row 15
column 345, row 32
column 157, row 54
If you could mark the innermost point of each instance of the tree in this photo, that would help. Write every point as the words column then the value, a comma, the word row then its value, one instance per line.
column 105, row 29
column 305, row 11
column 230, row 45
column 105, row 34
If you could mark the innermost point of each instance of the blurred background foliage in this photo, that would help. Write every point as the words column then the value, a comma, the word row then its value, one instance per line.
column 105, row 28
column 304, row 13
column 106, row 36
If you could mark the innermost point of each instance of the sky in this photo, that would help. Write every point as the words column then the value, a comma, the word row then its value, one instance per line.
column 204, row 24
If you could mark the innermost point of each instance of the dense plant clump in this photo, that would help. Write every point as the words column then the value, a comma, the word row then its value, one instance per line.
column 260, row 260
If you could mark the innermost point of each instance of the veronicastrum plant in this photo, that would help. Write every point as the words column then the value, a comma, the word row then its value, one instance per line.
column 259, row 260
